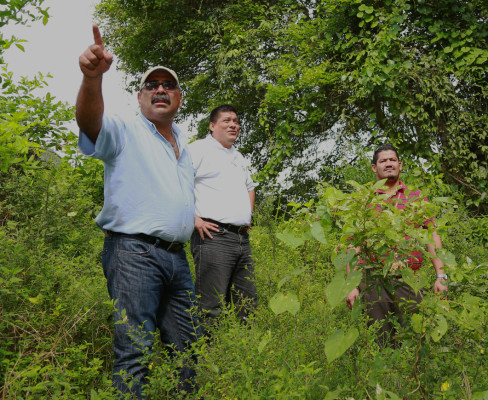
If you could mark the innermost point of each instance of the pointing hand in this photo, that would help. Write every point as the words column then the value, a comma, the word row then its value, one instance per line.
column 95, row 60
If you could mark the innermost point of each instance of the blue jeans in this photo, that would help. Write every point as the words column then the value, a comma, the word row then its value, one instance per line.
column 155, row 288
column 224, row 270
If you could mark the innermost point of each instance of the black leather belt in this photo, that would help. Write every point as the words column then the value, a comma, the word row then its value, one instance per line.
column 173, row 247
column 229, row 227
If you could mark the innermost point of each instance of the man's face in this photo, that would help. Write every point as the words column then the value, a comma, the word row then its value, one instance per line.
column 226, row 129
column 159, row 105
column 387, row 166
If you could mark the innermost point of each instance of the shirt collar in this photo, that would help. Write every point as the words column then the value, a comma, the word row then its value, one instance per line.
column 152, row 127
column 218, row 145
column 400, row 188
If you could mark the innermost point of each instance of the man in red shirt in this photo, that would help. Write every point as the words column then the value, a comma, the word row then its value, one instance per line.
column 386, row 165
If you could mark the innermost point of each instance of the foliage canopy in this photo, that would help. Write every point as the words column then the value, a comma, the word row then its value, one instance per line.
column 316, row 80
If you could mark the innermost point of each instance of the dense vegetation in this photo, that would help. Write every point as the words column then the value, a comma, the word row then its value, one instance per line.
column 56, row 323
column 315, row 82
column 302, row 342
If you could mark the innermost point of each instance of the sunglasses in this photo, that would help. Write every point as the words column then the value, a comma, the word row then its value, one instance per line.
column 154, row 85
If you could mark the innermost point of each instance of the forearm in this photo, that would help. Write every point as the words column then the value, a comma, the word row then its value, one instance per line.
column 90, row 107
column 252, row 198
column 439, row 286
column 436, row 261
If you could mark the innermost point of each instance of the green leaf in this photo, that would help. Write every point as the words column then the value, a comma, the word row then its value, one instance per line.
column 318, row 232
column 446, row 200
column 416, row 280
column 446, row 257
column 382, row 394
column 333, row 395
column 94, row 395
column 379, row 184
column 418, row 323
column 339, row 342
column 280, row 303
column 393, row 235
column 440, row 328
column 264, row 341
column 480, row 395
column 339, row 288
column 36, row 300
column 290, row 239
column 343, row 258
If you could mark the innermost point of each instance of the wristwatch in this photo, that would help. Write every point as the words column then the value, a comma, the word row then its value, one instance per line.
column 443, row 276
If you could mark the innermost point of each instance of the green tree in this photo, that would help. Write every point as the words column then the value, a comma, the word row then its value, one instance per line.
column 28, row 123
column 308, row 75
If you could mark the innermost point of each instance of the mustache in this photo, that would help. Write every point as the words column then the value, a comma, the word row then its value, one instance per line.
column 161, row 97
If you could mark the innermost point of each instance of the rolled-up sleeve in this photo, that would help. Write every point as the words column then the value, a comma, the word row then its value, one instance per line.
column 110, row 141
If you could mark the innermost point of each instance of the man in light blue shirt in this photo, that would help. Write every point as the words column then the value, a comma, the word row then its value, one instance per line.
column 148, row 214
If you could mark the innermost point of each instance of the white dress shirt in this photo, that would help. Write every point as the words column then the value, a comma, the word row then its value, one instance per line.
column 222, row 182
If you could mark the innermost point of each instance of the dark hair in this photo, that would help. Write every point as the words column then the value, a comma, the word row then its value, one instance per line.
column 383, row 147
column 214, row 114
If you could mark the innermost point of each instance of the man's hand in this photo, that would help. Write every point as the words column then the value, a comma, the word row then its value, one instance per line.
column 351, row 298
column 204, row 227
column 95, row 61
column 439, row 287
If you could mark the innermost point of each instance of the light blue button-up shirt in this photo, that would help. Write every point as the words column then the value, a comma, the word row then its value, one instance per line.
column 147, row 190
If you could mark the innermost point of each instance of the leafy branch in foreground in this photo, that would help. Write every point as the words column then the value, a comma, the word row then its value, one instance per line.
column 377, row 238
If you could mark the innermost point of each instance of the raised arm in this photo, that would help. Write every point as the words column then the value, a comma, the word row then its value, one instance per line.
column 94, row 62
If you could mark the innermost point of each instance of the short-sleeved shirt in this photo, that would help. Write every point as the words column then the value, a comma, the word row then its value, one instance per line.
column 222, row 182
column 146, row 189
column 415, row 260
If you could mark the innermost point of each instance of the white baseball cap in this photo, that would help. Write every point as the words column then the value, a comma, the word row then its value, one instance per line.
column 159, row 68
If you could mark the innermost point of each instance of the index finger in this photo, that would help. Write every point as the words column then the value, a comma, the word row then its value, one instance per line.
column 97, row 37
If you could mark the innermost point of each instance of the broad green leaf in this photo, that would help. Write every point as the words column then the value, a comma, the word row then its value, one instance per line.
column 295, row 272
column 333, row 395
column 447, row 257
column 379, row 184
column 447, row 200
column 382, row 394
column 290, row 239
column 339, row 288
column 339, row 342
column 318, row 232
column 281, row 302
column 418, row 323
column 416, row 280
column 36, row 300
column 343, row 258
column 440, row 328
column 480, row 395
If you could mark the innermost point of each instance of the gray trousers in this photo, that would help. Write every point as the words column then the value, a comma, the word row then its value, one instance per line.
column 224, row 273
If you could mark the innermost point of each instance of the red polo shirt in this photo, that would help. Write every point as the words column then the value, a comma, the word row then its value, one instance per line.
column 416, row 258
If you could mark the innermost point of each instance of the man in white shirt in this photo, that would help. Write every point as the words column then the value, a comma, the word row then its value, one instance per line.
column 224, row 203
